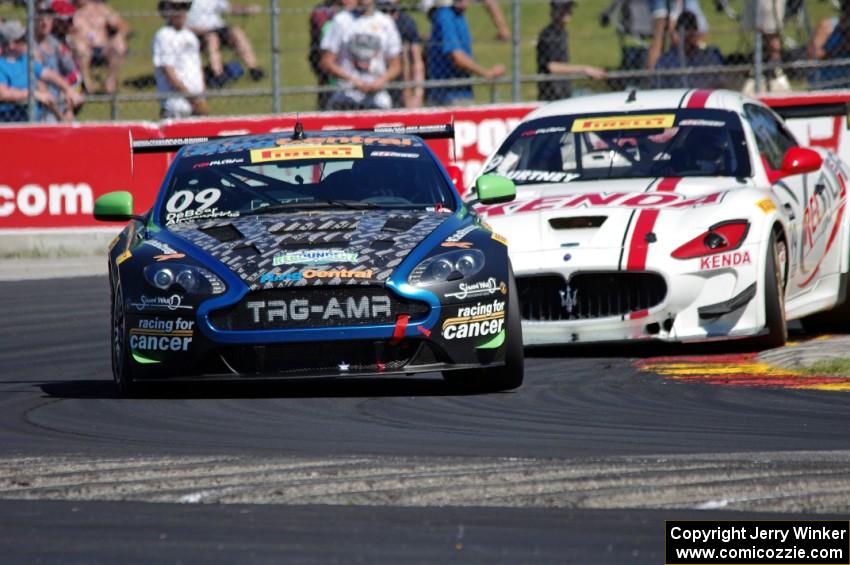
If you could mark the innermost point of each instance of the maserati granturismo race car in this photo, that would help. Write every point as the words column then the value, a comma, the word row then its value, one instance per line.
column 313, row 254
column 672, row 215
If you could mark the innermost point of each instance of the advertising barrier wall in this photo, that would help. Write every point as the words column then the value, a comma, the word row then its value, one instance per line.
column 51, row 175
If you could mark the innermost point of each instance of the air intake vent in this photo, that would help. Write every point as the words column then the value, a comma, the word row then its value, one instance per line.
column 577, row 223
column 399, row 224
column 245, row 251
column 305, row 240
column 223, row 233
column 382, row 244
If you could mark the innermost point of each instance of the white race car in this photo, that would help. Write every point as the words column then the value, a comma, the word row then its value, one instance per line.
column 676, row 215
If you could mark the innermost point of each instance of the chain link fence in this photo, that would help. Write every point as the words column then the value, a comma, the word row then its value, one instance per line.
column 130, row 59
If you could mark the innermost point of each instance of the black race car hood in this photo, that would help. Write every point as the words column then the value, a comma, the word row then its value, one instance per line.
column 313, row 248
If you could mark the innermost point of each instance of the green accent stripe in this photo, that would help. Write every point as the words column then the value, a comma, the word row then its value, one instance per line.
column 138, row 358
column 494, row 343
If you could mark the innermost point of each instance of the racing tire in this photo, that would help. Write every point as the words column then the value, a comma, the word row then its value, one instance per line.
column 510, row 375
column 775, row 269
column 122, row 365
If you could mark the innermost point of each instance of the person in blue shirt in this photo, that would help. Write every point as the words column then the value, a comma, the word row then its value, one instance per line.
column 688, row 51
column 14, row 77
column 449, row 54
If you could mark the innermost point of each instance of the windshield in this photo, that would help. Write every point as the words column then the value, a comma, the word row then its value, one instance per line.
column 677, row 143
column 304, row 177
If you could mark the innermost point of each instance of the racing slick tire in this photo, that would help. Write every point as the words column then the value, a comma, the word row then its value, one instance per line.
column 122, row 365
column 510, row 375
column 775, row 276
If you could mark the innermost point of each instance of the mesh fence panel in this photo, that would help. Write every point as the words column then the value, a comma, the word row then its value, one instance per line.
column 493, row 51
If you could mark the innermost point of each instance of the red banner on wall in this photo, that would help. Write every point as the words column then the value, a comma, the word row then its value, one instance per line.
column 51, row 175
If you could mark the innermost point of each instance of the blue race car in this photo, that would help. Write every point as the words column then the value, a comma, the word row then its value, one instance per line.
column 311, row 254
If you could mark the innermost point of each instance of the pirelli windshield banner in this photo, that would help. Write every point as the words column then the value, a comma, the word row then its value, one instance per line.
column 764, row 542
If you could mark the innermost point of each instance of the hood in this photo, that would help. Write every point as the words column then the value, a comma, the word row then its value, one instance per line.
column 596, row 213
column 304, row 249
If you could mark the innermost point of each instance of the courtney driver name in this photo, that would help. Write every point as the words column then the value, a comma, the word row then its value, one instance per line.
column 757, row 533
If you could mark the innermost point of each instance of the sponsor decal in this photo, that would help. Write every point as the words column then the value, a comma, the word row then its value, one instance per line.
column 609, row 123
column 458, row 244
column 352, row 308
column 162, row 335
column 169, row 257
column 160, row 246
column 542, row 131
column 123, row 257
column 703, row 123
column 218, row 163
column 173, row 302
column 185, row 205
column 460, row 234
column 478, row 320
column 733, row 259
column 481, row 288
column 349, row 139
column 500, row 238
column 315, row 257
column 195, row 215
column 540, row 176
column 395, row 154
column 296, row 152
column 316, row 274
column 766, row 205
column 640, row 201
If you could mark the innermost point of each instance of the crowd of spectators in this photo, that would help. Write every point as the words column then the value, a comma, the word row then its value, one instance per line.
column 370, row 54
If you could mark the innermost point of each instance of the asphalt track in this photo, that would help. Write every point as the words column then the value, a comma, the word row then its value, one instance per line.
column 582, row 464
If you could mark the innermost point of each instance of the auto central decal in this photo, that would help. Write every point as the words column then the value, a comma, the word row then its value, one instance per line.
column 315, row 257
column 295, row 152
column 628, row 200
column 610, row 123
column 477, row 320
column 308, row 274
column 482, row 288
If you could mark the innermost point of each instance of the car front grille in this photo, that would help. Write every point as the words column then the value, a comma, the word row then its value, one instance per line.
column 589, row 295
column 316, row 307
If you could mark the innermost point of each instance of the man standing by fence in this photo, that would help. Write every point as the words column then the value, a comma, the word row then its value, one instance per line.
column 177, row 63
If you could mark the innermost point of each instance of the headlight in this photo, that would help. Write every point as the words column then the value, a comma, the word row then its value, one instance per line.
column 448, row 266
column 192, row 280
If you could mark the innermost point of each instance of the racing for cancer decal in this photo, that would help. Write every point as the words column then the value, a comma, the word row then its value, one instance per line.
column 481, row 319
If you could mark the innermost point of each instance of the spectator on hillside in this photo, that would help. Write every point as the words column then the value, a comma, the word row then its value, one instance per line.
column 99, row 38
column 553, row 55
column 362, row 50
column 205, row 19
column 412, row 63
column 768, row 18
column 831, row 40
column 63, row 23
column 177, row 63
column 55, row 55
column 494, row 10
column 449, row 54
column 687, row 51
column 14, row 76
column 320, row 20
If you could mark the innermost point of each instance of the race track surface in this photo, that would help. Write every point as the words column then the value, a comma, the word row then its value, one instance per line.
column 583, row 463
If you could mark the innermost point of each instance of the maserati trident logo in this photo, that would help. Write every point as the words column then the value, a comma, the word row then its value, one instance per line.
column 568, row 299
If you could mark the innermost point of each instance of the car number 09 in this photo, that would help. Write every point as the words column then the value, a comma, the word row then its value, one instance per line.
column 182, row 199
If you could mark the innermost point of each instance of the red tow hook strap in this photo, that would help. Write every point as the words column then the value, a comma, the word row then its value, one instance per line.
column 400, row 328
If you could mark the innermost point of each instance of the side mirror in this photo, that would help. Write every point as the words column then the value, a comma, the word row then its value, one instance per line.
column 456, row 174
column 114, row 207
column 494, row 189
column 800, row 160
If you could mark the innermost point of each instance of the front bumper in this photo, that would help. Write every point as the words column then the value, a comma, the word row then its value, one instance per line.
column 691, row 287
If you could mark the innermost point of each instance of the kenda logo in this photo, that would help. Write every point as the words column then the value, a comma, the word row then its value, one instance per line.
column 65, row 199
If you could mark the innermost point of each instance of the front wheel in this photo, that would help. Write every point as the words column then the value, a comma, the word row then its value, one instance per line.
column 510, row 375
column 122, row 370
column 774, row 277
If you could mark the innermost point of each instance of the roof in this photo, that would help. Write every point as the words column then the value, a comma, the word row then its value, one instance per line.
column 260, row 141
column 644, row 100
